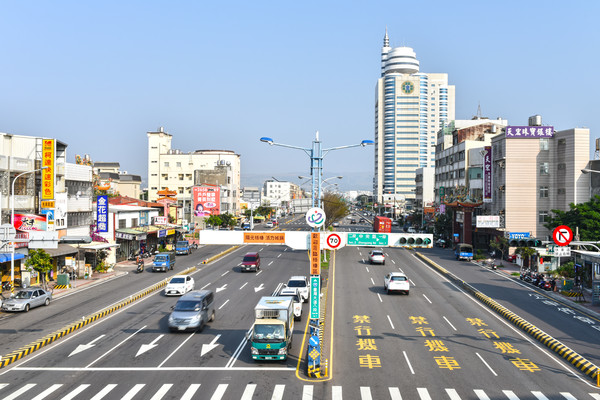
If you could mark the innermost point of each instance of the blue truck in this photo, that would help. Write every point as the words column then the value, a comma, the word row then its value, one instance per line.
column 183, row 247
column 164, row 261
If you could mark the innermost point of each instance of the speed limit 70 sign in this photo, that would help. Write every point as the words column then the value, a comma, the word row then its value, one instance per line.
column 333, row 240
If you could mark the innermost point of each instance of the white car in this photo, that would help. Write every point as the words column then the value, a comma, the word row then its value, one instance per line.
column 396, row 282
column 295, row 294
column 269, row 224
column 301, row 283
column 179, row 285
column 376, row 257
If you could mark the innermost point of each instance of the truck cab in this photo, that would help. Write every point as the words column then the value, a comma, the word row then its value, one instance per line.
column 183, row 247
column 164, row 261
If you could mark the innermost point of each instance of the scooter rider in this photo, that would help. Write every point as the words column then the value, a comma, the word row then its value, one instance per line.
column 140, row 265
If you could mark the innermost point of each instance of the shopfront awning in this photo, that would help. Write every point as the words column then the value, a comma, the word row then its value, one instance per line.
column 5, row 257
column 61, row 250
column 97, row 246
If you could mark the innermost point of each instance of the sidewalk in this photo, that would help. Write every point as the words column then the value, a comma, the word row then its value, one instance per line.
column 586, row 306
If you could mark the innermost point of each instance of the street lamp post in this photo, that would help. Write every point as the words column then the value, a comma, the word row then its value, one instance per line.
column 12, row 222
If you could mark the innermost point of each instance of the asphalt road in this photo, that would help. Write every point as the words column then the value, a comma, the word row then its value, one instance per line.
column 436, row 343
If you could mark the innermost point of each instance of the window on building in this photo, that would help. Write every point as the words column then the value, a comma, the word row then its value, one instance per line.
column 562, row 142
column 166, row 163
column 180, row 176
column 153, row 162
column 543, row 216
column 461, row 173
column 134, row 222
column 544, row 168
column 544, row 144
column 165, row 177
column 178, row 165
column 122, row 223
column 544, row 191
column 561, row 191
column 561, row 166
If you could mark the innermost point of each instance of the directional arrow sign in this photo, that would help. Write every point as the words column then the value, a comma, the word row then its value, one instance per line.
column 562, row 235
column 221, row 288
column 208, row 347
column 83, row 347
column 145, row 347
column 256, row 289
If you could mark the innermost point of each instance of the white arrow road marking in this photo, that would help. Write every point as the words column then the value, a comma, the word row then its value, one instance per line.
column 145, row 347
column 261, row 287
column 208, row 347
column 221, row 288
column 83, row 347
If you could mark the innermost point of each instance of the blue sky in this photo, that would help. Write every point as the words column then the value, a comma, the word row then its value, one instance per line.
column 220, row 75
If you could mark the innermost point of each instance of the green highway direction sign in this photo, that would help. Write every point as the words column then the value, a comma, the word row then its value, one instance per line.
column 315, row 291
column 367, row 239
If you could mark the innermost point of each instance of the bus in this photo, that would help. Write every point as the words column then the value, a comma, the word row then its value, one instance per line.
column 463, row 251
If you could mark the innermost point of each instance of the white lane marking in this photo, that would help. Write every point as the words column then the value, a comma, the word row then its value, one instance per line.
column 75, row 392
column 360, row 254
column 279, row 255
column 481, row 394
column 241, row 287
column 249, row 391
column 47, row 392
column 189, row 393
column 239, row 349
column 120, row 343
column 391, row 323
column 568, row 396
column 486, row 364
column 261, row 249
column 411, row 281
column 223, row 305
column 367, row 268
column 372, row 281
column 218, row 395
column 336, row 393
column 259, row 272
column 106, row 390
column 595, row 396
column 162, row 391
column 400, row 269
column 307, row 392
column 365, row 393
column 449, row 323
column 224, row 273
column 176, row 350
column 393, row 262
column 278, row 392
column 269, row 264
column 453, row 394
column 423, row 394
column 427, row 299
column 539, row 395
column 380, row 299
column 204, row 287
column 412, row 371
column 395, row 393
column 510, row 394
column 134, row 390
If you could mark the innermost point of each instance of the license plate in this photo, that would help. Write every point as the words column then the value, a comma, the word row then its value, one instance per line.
column 181, row 328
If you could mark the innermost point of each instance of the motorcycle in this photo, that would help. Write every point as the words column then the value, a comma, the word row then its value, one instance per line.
column 140, row 266
column 6, row 286
column 132, row 255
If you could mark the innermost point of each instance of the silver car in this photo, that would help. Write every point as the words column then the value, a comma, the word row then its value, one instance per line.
column 26, row 299
column 376, row 257
column 192, row 311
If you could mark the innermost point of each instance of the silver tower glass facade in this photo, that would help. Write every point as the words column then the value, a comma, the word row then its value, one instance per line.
column 410, row 107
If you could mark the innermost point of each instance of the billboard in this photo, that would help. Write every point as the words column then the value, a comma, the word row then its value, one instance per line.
column 487, row 174
column 529, row 132
column 30, row 222
column 487, row 221
column 102, row 214
column 207, row 200
column 48, row 174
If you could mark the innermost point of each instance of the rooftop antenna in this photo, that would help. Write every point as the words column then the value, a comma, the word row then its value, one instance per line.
column 478, row 110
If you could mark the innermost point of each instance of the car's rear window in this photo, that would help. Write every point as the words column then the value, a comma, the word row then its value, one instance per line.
column 377, row 253
column 398, row 278
column 296, row 284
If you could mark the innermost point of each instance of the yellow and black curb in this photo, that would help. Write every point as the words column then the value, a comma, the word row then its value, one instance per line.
column 229, row 250
column 30, row 348
column 565, row 352
column 62, row 287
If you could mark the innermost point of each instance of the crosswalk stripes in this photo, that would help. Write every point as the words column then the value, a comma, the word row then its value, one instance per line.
column 224, row 391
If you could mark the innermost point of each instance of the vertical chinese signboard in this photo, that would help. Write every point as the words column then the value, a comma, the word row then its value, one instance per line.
column 315, row 274
column 207, row 201
column 102, row 214
column 48, row 174
column 487, row 174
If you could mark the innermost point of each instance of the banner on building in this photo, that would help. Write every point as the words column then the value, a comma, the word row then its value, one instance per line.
column 487, row 221
column 207, row 200
column 487, row 174
column 102, row 214
column 529, row 132
column 48, row 174
column 30, row 222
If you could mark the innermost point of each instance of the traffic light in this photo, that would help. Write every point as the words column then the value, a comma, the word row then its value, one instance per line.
column 416, row 240
column 529, row 242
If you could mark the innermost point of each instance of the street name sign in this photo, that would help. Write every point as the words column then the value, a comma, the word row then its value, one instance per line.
column 367, row 239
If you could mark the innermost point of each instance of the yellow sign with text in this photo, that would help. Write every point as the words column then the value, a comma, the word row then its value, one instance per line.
column 264, row 237
column 48, row 204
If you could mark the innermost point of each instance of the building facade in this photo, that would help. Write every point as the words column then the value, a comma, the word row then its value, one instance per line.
column 179, row 171
column 410, row 108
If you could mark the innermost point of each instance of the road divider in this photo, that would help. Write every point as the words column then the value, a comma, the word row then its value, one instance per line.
column 585, row 366
column 229, row 250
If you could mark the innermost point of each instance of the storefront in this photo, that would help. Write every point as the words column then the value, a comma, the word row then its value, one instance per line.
column 5, row 267
column 63, row 258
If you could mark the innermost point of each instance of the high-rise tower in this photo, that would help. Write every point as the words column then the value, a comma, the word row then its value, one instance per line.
column 410, row 107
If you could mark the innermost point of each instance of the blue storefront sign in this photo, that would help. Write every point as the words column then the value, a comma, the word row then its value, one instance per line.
column 102, row 214
column 518, row 235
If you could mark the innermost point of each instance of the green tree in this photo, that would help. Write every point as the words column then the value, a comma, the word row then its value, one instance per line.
column 335, row 208
column 500, row 243
column 526, row 253
column 41, row 262
column 214, row 220
column 264, row 210
column 228, row 220
column 584, row 216
column 443, row 225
